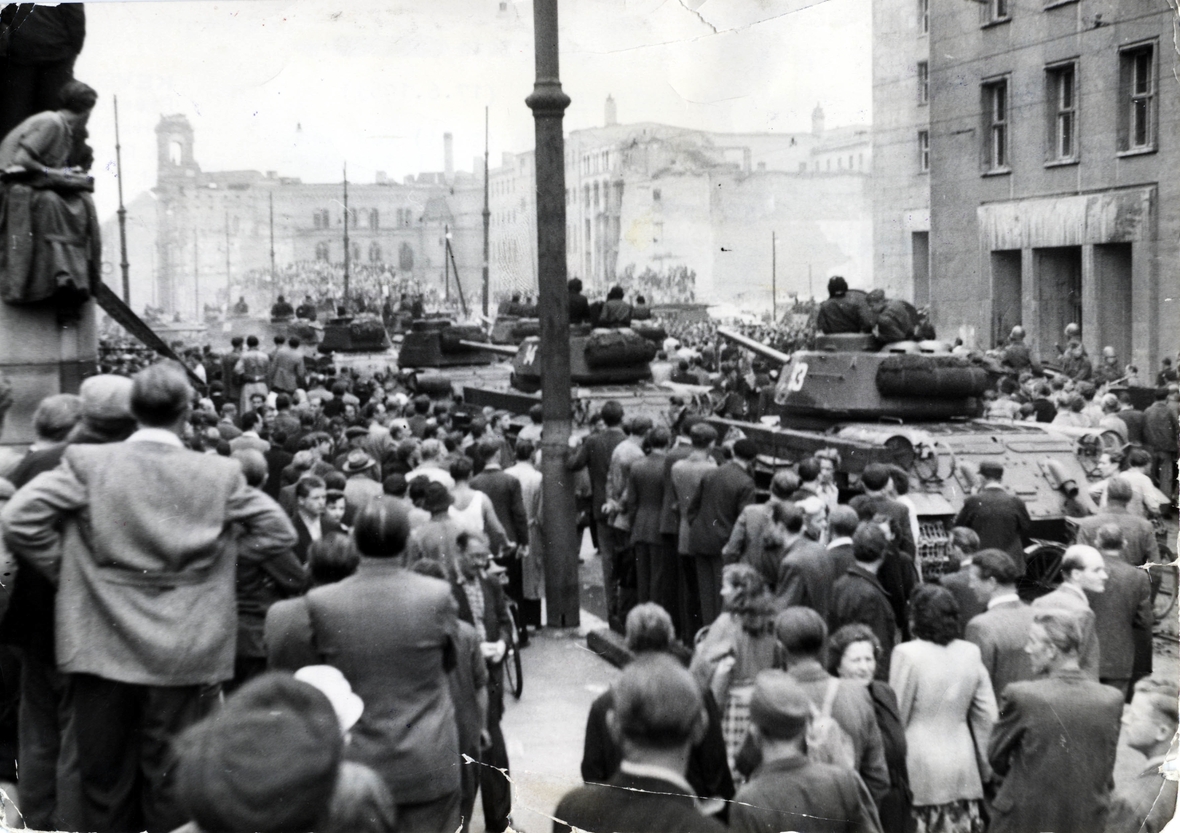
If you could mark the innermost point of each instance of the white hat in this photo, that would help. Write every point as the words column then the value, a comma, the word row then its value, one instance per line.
column 347, row 704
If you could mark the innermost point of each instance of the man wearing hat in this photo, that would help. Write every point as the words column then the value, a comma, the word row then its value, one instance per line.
column 1000, row 519
column 657, row 717
column 712, row 513
column 842, row 313
column 790, row 792
column 134, row 534
column 267, row 762
column 48, row 767
column 361, row 487
column 1074, row 361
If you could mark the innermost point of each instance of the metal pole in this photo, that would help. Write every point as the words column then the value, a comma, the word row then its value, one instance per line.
column 450, row 252
column 346, row 252
column 122, row 212
column 487, row 214
column 271, row 200
column 773, row 279
column 229, row 281
column 196, row 278
column 559, row 537
column 446, row 264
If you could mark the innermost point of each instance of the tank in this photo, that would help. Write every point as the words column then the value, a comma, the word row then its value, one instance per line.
column 604, row 364
column 512, row 329
column 442, row 343
column 915, row 406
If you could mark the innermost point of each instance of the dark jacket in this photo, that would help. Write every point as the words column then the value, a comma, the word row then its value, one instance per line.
column 594, row 453
column 1001, row 520
column 796, row 794
column 708, row 767
column 392, row 634
column 724, row 492
column 805, row 577
column 1139, row 543
column 898, row 514
column 846, row 314
column 44, row 34
column 643, row 497
column 631, row 804
column 1060, row 730
column 894, row 806
column 857, row 596
column 1122, row 608
column 1160, row 428
column 579, row 308
column 508, row 501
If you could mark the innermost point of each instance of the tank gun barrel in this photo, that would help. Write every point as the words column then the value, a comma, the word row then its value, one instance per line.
column 757, row 346
column 501, row 349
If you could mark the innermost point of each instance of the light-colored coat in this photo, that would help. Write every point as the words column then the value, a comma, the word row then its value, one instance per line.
column 141, row 534
column 945, row 699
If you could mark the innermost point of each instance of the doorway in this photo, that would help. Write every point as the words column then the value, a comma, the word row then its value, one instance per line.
column 1112, row 278
column 1059, row 291
column 1007, row 294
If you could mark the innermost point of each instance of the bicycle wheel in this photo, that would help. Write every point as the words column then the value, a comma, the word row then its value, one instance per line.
column 1042, row 569
column 513, row 676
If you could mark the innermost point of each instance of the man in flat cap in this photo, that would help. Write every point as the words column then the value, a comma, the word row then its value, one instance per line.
column 657, row 717
column 790, row 792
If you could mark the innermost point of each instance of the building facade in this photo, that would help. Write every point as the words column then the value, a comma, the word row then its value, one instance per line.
column 901, row 145
column 1053, row 174
column 657, row 197
column 210, row 228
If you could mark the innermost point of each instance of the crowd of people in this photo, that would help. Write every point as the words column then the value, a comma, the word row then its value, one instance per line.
column 830, row 685
column 336, row 554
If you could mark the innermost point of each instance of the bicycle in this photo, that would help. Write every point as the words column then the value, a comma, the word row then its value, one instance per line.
column 513, row 672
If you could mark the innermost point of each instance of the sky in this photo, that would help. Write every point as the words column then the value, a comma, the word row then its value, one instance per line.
column 302, row 86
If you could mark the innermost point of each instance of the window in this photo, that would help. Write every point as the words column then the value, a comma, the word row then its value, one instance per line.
column 995, row 114
column 1137, row 91
column 923, row 150
column 315, row 219
column 923, row 17
column 923, row 82
column 1062, row 98
column 374, row 219
column 374, row 253
column 656, row 195
column 993, row 11
column 321, row 251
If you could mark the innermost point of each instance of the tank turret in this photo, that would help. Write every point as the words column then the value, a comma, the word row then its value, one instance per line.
column 440, row 342
column 842, row 380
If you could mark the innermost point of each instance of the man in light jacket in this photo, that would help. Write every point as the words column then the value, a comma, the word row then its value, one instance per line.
column 138, row 537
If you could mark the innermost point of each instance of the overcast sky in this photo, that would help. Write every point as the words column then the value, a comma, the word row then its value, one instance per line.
column 300, row 86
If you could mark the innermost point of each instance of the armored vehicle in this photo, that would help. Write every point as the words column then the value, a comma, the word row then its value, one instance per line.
column 604, row 364
column 916, row 407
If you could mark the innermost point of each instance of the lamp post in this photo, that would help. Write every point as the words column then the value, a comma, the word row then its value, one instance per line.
column 559, row 534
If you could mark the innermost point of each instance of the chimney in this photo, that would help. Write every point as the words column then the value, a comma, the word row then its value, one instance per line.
column 612, row 113
column 382, row 178
column 817, row 120
column 449, row 157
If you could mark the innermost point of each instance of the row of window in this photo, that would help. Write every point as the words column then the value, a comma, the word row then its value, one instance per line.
column 322, row 219
column 323, row 251
column 1136, row 108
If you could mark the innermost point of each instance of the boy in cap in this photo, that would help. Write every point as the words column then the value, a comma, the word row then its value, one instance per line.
column 790, row 792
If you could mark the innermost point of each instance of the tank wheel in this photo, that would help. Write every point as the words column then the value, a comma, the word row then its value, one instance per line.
column 1042, row 570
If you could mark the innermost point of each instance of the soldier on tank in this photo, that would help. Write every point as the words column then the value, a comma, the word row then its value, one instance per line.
column 1016, row 355
column 842, row 313
column 616, row 312
column 1073, row 360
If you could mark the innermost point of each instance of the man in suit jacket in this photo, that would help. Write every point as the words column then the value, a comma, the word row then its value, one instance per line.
column 1083, row 573
column 712, row 512
column 286, row 370
column 876, row 500
column 999, row 519
column 1002, row 631
column 392, row 633
column 1122, row 611
column 507, row 499
column 594, row 454
column 1147, row 802
column 747, row 542
column 964, row 545
column 858, row 596
column 1139, row 544
column 842, row 523
column 137, row 536
column 659, row 715
column 806, row 572
column 250, row 438
column 685, row 478
column 481, row 603
column 643, row 500
column 1060, row 730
